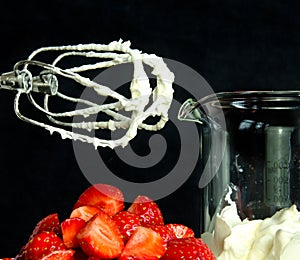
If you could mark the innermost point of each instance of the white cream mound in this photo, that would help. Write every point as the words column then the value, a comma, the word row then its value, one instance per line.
column 277, row 237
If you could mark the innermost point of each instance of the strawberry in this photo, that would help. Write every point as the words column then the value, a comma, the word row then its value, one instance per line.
column 84, row 212
column 70, row 227
column 147, row 210
column 43, row 244
column 180, row 231
column 143, row 244
column 164, row 232
column 49, row 223
column 100, row 237
column 187, row 248
column 60, row 255
column 127, row 222
column 104, row 196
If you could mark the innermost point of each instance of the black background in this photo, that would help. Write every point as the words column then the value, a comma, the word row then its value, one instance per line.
column 234, row 45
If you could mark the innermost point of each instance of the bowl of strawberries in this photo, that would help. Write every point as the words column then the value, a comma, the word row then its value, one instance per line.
column 101, row 226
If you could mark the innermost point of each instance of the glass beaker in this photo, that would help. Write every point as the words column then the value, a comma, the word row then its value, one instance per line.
column 250, row 149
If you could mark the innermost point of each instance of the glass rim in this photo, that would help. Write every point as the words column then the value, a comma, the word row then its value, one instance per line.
column 255, row 100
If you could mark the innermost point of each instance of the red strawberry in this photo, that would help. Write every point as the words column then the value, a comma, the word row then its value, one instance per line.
column 187, row 248
column 49, row 223
column 43, row 244
column 127, row 222
column 106, row 197
column 164, row 232
column 70, row 227
column 147, row 210
column 100, row 237
column 60, row 255
column 180, row 231
column 94, row 258
column 143, row 244
column 84, row 212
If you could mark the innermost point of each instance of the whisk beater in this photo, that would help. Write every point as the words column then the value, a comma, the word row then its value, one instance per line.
column 23, row 82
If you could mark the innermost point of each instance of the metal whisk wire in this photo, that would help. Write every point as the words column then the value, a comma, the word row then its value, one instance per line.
column 23, row 82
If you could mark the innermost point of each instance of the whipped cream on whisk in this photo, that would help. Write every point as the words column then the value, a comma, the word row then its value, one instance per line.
column 144, row 101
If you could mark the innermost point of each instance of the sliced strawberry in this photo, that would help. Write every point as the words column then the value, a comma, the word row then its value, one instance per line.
column 180, row 231
column 187, row 248
column 49, row 223
column 104, row 196
column 147, row 210
column 100, row 237
column 127, row 222
column 60, row 255
column 84, row 212
column 43, row 244
column 164, row 232
column 94, row 258
column 70, row 227
column 144, row 244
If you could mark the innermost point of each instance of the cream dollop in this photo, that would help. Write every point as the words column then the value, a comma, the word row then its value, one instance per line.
column 277, row 237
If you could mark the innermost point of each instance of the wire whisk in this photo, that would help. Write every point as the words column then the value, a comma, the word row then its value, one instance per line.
column 46, row 83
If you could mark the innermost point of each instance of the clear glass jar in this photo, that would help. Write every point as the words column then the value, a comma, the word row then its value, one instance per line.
column 250, row 149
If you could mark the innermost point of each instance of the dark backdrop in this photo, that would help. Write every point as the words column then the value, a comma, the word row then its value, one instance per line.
column 234, row 45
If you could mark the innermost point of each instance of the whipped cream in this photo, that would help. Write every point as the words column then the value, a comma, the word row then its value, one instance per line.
column 277, row 237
